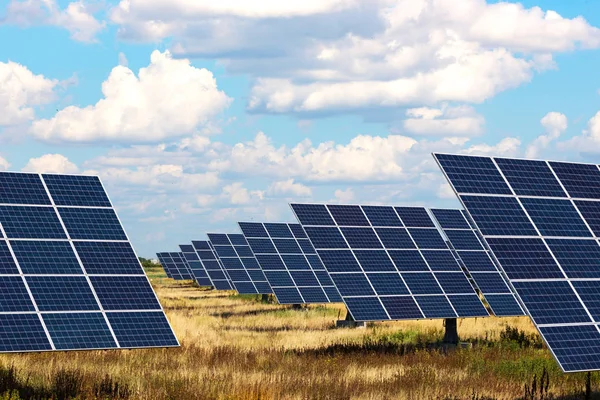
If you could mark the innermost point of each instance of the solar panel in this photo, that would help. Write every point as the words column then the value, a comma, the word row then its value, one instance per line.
column 237, row 258
column 161, row 259
column 389, row 263
column 472, row 254
column 193, row 261
column 69, row 278
column 211, row 264
column 539, row 219
column 290, row 263
column 178, row 268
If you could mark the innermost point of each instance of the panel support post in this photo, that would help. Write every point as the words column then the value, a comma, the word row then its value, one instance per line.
column 265, row 298
column 296, row 306
column 451, row 331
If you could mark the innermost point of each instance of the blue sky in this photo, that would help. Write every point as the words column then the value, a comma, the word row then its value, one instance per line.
column 197, row 114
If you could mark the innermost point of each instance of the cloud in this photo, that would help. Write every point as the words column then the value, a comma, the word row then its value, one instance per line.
column 51, row 163
column 4, row 164
column 20, row 91
column 508, row 147
column 378, row 54
column 588, row 143
column 169, row 98
column 344, row 196
column 444, row 121
column 554, row 124
column 78, row 17
column 237, row 194
column 289, row 187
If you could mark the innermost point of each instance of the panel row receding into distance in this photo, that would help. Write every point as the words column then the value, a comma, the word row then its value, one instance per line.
column 389, row 262
column 176, row 265
column 474, row 256
column 69, row 278
column 541, row 221
column 162, row 259
column 211, row 264
column 197, row 269
column 239, row 262
column 290, row 263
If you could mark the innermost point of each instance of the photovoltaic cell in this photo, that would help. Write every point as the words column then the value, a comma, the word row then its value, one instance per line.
column 64, row 262
column 240, row 263
column 292, row 276
column 212, row 265
column 383, row 275
column 475, row 258
column 545, row 241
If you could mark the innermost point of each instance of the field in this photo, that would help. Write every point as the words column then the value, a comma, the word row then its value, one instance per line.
column 235, row 347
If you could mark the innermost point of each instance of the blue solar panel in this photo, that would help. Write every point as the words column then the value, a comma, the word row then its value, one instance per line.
column 547, row 244
column 212, row 266
column 580, row 180
column 17, row 188
column 112, row 258
column 62, row 293
column 286, row 262
column 162, row 260
column 92, row 223
column 141, row 329
column 473, row 255
column 22, row 332
column 76, row 331
column 13, row 295
column 178, row 267
column 46, row 257
column 62, row 237
column 199, row 274
column 76, row 190
column 373, row 268
column 530, row 178
column 237, row 261
column 31, row 222
column 124, row 293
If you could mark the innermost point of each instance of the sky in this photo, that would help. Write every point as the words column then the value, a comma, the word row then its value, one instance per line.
column 197, row 114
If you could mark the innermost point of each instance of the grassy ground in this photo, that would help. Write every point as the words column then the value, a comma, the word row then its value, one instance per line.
column 235, row 347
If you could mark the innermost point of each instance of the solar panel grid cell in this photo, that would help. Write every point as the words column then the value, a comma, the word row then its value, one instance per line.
column 197, row 270
column 212, row 266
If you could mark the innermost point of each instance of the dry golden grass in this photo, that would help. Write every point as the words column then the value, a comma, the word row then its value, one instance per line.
column 237, row 348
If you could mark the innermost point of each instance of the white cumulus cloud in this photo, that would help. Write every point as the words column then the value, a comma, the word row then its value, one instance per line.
column 168, row 98
column 289, row 187
column 554, row 124
column 51, row 163
column 20, row 91
column 78, row 17
column 444, row 121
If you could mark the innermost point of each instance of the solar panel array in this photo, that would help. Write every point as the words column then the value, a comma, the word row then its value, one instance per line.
column 239, row 262
column 193, row 261
column 211, row 264
column 179, row 269
column 542, row 222
column 290, row 263
column 474, row 256
column 70, row 279
column 389, row 263
column 162, row 258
